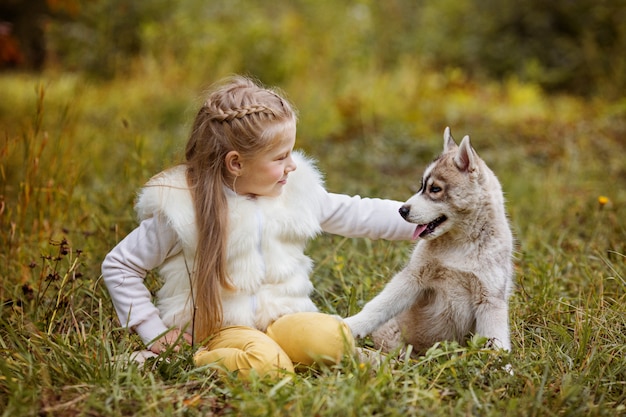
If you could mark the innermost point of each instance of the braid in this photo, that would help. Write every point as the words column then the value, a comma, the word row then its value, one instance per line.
column 217, row 114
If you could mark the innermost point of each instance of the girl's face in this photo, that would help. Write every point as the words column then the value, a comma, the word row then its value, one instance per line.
column 266, row 174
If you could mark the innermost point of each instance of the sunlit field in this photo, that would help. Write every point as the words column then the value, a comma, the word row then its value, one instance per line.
column 75, row 150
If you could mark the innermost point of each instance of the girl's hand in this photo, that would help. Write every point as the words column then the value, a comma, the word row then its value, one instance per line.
column 168, row 339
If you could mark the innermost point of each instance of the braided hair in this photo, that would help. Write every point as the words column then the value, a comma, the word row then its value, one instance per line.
column 238, row 115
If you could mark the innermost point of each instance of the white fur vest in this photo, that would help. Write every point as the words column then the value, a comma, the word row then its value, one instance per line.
column 267, row 236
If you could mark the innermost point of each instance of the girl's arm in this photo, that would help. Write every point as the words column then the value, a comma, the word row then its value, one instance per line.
column 125, row 268
column 373, row 218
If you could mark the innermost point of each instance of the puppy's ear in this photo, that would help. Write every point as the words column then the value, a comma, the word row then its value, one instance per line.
column 448, row 141
column 465, row 159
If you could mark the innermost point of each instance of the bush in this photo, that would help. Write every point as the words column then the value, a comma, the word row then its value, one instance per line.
column 561, row 45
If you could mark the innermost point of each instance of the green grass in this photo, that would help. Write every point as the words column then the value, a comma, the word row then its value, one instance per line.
column 73, row 153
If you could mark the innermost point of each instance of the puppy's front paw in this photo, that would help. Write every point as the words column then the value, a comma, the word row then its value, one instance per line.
column 358, row 326
column 495, row 343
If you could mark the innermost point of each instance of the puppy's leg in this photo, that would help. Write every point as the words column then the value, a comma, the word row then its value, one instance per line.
column 388, row 337
column 398, row 295
column 492, row 321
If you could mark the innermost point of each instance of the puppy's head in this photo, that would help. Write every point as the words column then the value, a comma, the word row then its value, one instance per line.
column 449, row 190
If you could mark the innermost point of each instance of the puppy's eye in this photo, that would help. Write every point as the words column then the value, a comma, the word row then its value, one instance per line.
column 435, row 189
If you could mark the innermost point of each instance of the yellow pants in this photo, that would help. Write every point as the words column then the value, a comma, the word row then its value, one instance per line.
column 299, row 338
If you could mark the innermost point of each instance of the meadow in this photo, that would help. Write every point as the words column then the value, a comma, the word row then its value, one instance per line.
column 75, row 150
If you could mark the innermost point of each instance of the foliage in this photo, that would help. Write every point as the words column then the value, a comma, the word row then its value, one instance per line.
column 74, row 152
column 560, row 45
column 99, row 37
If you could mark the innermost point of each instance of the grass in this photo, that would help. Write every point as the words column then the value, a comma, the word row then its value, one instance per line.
column 74, row 152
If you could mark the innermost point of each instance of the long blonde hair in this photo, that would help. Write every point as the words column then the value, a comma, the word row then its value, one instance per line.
column 237, row 115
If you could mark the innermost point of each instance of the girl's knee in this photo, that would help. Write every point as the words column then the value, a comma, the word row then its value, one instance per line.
column 245, row 350
column 312, row 337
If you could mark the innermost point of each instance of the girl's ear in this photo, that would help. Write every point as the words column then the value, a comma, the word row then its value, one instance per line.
column 233, row 163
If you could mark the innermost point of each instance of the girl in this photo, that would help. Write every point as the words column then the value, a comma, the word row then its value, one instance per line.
column 227, row 230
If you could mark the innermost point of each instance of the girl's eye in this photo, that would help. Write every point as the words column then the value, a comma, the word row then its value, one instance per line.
column 435, row 189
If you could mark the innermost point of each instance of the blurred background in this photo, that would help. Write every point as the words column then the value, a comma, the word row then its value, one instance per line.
column 563, row 45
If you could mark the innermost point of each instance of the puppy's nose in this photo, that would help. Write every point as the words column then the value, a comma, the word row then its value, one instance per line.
column 404, row 211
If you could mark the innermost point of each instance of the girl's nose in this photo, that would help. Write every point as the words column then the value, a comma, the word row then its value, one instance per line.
column 291, row 166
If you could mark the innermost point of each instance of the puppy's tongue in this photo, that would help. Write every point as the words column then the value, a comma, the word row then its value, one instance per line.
column 418, row 230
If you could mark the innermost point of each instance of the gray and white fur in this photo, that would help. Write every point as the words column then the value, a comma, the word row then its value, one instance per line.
column 460, row 275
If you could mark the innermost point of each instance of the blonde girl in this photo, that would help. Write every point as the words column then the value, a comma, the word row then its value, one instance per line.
column 227, row 231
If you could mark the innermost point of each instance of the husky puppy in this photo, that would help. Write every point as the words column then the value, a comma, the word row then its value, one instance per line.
column 460, row 274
